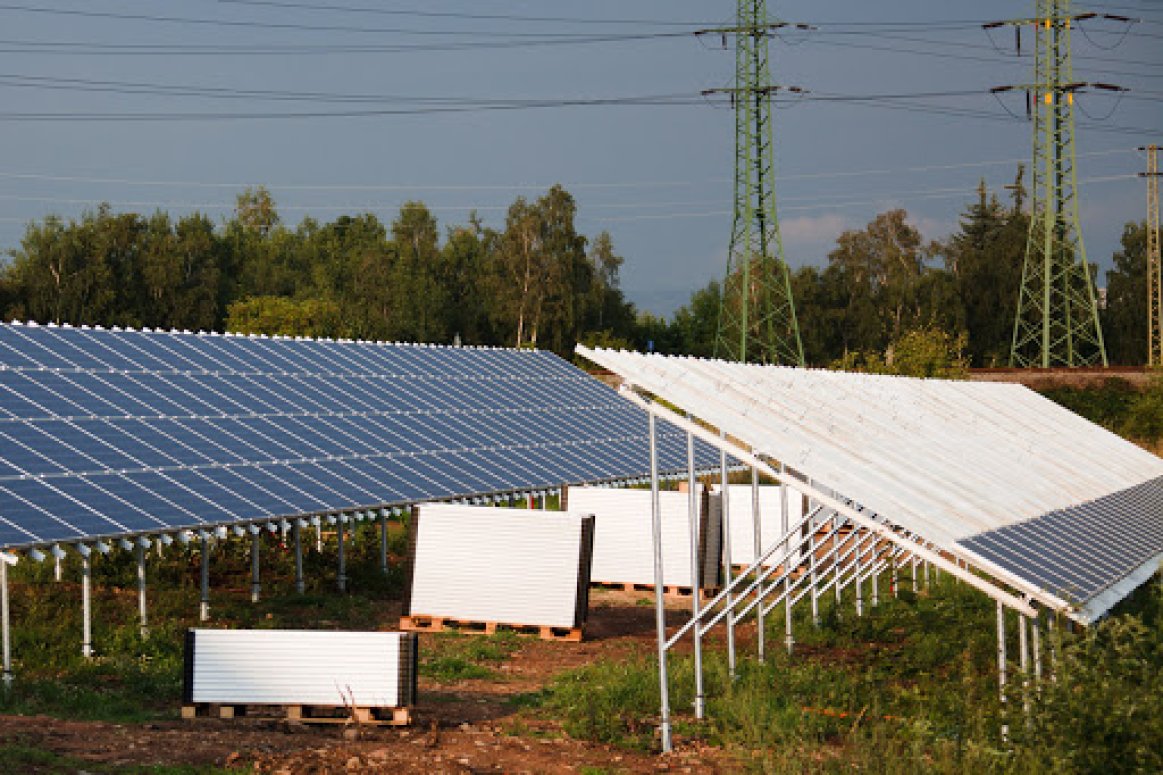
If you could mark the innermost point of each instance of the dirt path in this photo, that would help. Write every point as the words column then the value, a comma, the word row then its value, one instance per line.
column 461, row 727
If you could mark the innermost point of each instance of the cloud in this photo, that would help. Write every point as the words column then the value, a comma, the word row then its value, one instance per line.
column 811, row 229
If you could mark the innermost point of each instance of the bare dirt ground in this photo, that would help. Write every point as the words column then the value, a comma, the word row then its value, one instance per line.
column 468, row 726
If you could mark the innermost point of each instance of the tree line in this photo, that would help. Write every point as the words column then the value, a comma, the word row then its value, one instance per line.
column 886, row 294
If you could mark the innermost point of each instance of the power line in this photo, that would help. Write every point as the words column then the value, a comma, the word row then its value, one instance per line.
column 296, row 26
column 580, row 185
column 284, row 4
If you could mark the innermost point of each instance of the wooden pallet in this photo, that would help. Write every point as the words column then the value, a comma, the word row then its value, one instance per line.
column 669, row 589
column 306, row 714
column 420, row 623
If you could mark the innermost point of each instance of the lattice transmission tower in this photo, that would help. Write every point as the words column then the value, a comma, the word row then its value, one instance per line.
column 1154, row 262
column 757, row 315
column 1057, row 315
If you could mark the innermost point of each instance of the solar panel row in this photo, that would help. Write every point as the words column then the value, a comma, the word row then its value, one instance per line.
column 109, row 432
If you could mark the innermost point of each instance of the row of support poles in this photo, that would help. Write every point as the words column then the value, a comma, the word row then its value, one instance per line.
column 140, row 546
column 859, row 546
column 694, row 509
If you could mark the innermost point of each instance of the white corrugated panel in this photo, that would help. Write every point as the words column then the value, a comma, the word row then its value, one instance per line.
column 623, row 543
column 742, row 520
column 946, row 460
column 510, row 566
column 300, row 667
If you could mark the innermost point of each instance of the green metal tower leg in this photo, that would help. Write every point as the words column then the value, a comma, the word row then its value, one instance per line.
column 757, row 316
column 1057, row 320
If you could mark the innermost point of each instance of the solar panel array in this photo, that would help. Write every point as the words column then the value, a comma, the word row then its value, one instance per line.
column 995, row 474
column 115, row 432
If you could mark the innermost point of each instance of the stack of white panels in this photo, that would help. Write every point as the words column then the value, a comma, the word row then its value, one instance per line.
column 623, row 544
column 300, row 667
column 507, row 566
column 741, row 519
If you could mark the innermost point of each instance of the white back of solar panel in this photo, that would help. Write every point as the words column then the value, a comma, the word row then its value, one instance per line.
column 740, row 515
column 300, row 667
column 623, row 536
column 511, row 566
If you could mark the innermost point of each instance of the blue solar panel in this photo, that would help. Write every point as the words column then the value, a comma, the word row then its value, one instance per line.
column 112, row 432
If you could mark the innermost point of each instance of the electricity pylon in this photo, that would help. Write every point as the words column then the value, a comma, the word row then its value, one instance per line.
column 757, row 315
column 1057, row 316
column 1154, row 269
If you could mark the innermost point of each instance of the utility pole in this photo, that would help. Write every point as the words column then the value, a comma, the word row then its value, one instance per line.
column 757, row 316
column 1154, row 272
column 1057, row 316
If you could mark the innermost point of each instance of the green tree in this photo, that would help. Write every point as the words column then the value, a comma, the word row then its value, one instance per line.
column 464, row 263
column 541, row 275
column 180, row 273
column 884, row 270
column 985, row 260
column 696, row 324
column 417, row 294
column 1124, row 319
column 278, row 315
column 57, row 276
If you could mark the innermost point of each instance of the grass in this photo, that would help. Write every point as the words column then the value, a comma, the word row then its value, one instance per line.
column 449, row 657
column 909, row 687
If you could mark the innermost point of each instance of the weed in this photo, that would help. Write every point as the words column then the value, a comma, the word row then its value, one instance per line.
column 908, row 687
column 450, row 657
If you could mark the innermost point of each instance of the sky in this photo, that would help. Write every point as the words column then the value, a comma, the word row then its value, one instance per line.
column 349, row 106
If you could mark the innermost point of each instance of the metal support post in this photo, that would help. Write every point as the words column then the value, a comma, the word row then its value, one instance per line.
column 857, row 584
column 914, row 564
column 255, row 584
column 297, row 530
column 141, row 601
column 659, row 589
column 693, row 505
column 1036, row 633
column 836, row 561
column 1024, row 665
column 926, row 568
column 86, row 607
column 874, row 580
column 57, row 572
column 341, row 579
column 757, row 541
column 812, row 564
column 894, row 581
column 5, row 624
column 1054, row 638
column 1001, row 666
column 204, row 608
column 727, row 568
column 319, row 538
column 384, row 542
column 785, row 525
